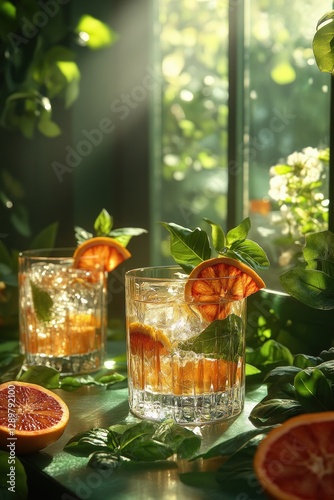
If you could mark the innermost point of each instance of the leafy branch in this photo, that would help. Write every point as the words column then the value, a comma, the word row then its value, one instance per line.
column 191, row 247
column 38, row 61
column 103, row 226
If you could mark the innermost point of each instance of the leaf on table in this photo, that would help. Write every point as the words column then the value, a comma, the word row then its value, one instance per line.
column 313, row 391
column 42, row 375
column 237, row 477
column 274, row 411
column 233, row 445
column 97, row 439
column 183, row 441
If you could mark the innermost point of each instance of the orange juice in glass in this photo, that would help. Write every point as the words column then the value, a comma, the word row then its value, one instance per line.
column 62, row 311
column 185, row 345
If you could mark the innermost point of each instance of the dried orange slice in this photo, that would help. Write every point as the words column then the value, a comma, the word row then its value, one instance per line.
column 110, row 252
column 296, row 460
column 146, row 345
column 31, row 417
column 148, row 340
column 215, row 282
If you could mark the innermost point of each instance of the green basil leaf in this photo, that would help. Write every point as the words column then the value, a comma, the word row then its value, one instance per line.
column 250, row 253
column 98, row 439
column 183, row 441
column 270, row 354
column 42, row 375
column 42, row 303
column 188, row 248
column 304, row 361
column 147, row 450
column 327, row 355
column 220, row 339
column 274, row 411
column 282, row 374
column 313, row 288
column 252, row 370
column 233, row 445
column 319, row 252
column 281, row 391
column 138, row 432
column 104, row 460
column 322, row 43
column 218, row 237
column 103, row 223
column 239, row 233
column 237, row 474
column 124, row 235
column 313, row 390
column 327, row 368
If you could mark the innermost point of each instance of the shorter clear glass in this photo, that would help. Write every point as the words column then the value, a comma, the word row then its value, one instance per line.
column 62, row 311
column 186, row 358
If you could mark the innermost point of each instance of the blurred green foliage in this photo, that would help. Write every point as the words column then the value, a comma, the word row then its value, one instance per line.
column 38, row 46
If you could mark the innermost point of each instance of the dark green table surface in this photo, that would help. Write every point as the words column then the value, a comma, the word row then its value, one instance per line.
column 68, row 477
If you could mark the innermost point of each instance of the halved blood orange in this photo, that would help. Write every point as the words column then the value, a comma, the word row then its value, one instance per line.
column 214, row 283
column 31, row 417
column 295, row 461
column 148, row 340
column 108, row 250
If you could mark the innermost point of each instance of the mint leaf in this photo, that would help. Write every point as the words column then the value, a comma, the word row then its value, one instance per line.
column 221, row 339
column 188, row 248
column 42, row 303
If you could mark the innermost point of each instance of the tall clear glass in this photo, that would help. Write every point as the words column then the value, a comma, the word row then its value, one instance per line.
column 62, row 311
column 186, row 358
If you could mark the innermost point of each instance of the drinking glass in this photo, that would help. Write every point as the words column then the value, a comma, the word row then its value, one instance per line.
column 186, row 358
column 62, row 311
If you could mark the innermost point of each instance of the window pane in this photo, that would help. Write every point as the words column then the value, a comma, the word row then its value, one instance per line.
column 190, row 173
column 287, row 111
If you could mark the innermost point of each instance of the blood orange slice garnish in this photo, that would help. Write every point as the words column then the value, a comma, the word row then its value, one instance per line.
column 108, row 251
column 146, row 339
column 295, row 461
column 214, row 283
column 31, row 416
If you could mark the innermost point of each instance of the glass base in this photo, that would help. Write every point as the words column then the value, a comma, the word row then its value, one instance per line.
column 68, row 365
column 196, row 410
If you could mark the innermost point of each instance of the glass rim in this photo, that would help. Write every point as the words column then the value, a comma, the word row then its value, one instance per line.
column 141, row 274
column 48, row 252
